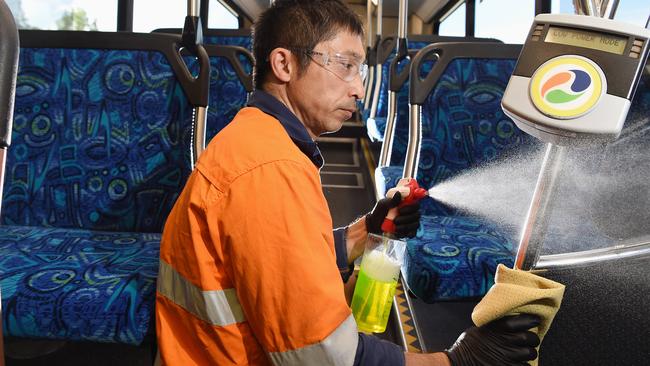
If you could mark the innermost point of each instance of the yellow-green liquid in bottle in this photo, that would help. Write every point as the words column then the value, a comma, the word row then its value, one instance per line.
column 374, row 291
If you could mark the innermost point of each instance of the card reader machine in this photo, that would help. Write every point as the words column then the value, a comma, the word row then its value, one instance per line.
column 575, row 78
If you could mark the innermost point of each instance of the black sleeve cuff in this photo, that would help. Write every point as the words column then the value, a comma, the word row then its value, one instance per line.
column 373, row 351
column 340, row 246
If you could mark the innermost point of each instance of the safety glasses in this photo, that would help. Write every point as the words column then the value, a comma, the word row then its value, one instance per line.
column 344, row 67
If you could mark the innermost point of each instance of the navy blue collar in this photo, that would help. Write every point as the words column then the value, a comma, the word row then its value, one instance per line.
column 296, row 130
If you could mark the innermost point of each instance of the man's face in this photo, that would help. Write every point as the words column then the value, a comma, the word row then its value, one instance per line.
column 325, row 95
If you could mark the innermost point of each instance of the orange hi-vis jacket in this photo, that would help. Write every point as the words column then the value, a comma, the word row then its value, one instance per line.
column 248, row 272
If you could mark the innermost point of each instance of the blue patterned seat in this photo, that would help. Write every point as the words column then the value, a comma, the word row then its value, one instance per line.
column 377, row 126
column 455, row 255
column 227, row 96
column 100, row 153
column 231, row 37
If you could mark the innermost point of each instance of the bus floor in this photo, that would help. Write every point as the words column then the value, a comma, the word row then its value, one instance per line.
column 433, row 327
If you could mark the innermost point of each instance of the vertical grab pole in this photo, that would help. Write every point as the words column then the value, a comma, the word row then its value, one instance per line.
column 401, row 49
column 193, row 7
column 372, row 60
column 596, row 8
column 193, row 35
column 414, row 142
column 608, row 9
column 536, row 223
column 375, row 93
column 585, row 7
column 367, row 82
column 9, row 49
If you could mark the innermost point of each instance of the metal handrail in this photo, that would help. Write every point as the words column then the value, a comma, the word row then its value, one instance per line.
column 9, row 49
column 366, row 83
column 415, row 140
column 596, row 8
column 374, row 98
column 401, row 49
column 594, row 256
column 193, row 41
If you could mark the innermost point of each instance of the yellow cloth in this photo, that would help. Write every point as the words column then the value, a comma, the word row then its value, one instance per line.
column 516, row 292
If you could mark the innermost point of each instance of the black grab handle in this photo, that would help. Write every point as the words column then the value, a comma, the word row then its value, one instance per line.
column 9, row 48
column 420, row 88
column 396, row 78
column 385, row 49
column 371, row 56
column 192, row 43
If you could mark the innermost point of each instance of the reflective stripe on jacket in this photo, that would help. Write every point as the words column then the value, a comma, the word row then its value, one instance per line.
column 248, row 270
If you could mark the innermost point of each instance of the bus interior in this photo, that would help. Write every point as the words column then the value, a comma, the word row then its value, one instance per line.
column 105, row 105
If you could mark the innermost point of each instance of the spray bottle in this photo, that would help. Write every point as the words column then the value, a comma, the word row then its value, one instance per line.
column 380, row 265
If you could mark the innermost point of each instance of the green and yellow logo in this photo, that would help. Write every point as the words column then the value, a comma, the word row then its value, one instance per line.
column 567, row 87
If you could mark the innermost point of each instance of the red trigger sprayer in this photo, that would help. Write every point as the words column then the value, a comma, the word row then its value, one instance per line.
column 411, row 192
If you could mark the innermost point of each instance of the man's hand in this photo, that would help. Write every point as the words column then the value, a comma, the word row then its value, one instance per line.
column 407, row 221
column 504, row 342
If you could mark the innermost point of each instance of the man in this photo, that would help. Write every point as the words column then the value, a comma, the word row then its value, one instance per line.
column 248, row 271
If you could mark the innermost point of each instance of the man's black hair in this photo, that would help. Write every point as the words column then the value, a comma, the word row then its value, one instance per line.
column 298, row 24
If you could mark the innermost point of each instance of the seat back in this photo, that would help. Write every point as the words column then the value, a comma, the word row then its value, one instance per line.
column 385, row 56
column 462, row 123
column 102, row 130
column 224, row 37
column 231, row 79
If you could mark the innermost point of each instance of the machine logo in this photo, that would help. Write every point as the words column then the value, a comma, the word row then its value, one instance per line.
column 567, row 87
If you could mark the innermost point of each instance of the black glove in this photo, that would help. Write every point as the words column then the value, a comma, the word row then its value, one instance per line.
column 406, row 223
column 502, row 342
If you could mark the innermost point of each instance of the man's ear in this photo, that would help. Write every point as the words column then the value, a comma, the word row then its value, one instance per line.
column 282, row 63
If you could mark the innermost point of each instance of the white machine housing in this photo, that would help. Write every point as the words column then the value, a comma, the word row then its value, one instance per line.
column 613, row 51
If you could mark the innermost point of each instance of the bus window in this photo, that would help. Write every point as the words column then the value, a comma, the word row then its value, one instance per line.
column 221, row 16
column 153, row 14
column 453, row 24
column 633, row 11
column 490, row 22
column 630, row 11
column 98, row 15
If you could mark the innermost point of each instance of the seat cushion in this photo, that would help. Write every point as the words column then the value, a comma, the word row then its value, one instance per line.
column 455, row 257
column 78, row 284
column 227, row 93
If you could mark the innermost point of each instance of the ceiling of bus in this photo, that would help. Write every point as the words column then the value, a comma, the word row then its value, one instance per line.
column 424, row 9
